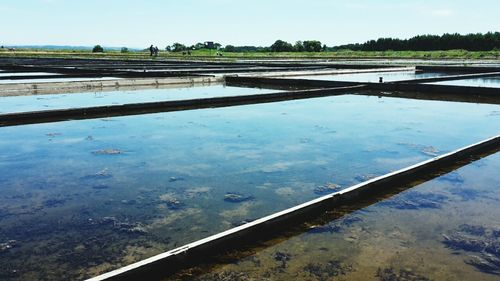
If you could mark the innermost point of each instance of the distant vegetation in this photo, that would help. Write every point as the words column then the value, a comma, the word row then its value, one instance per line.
column 178, row 47
column 470, row 42
column 98, row 49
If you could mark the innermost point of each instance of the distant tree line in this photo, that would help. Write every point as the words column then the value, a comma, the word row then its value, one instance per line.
column 281, row 46
column 471, row 42
column 178, row 47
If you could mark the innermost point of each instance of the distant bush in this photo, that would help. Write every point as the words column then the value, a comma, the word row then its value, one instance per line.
column 98, row 49
column 124, row 50
column 230, row 48
column 178, row 47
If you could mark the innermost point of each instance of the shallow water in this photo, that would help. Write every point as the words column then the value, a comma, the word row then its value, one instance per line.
column 27, row 73
column 491, row 82
column 75, row 100
column 83, row 197
column 444, row 229
column 51, row 80
column 373, row 77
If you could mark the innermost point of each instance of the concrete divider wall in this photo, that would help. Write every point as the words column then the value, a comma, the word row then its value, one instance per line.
column 55, row 87
column 461, row 69
column 282, row 83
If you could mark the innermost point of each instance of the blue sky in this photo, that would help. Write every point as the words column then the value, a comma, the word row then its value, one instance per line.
column 246, row 22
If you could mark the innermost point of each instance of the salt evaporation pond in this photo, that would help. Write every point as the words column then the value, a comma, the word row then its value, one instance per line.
column 3, row 74
column 444, row 229
column 77, row 100
column 491, row 82
column 373, row 77
column 79, row 198
column 52, row 80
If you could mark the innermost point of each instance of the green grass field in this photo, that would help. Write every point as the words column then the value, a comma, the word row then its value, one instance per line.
column 211, row 54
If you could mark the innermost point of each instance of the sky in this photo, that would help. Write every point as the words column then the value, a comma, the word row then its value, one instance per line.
column 127, row 23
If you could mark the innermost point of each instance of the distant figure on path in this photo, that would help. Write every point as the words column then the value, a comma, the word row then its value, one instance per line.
column 381, row 79
column 151, row 50
column 156, row 51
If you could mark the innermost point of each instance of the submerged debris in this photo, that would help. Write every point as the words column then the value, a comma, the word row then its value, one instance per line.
column 453, row 177
column 483, row 242
column 6, row 246
column 363, row 178
column 100, row 186
column 236, row 197
column 226, row 276
column 174, row 179
column 283, row 258
column 136, row 228
column 103, row 174
column 52, row 135
column 172, row 202
column 110, row 151
column 51, row 203
column 390, row 274
column 426, row 150
column 239, row 223
column 430, row 151
column 415, row 201
column 196, row 192
column 473, row 229
column 467, row 194
column 335, row 226
column 487, row 263
column 326, row 271
column 327, row 188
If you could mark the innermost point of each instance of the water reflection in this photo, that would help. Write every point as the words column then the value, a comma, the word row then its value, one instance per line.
column 51, row 80
column 78, row 100
column 26, row 74
column 491, row 82
column 374, row 77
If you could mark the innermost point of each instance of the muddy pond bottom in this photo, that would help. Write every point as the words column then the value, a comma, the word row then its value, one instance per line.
column 444, row 229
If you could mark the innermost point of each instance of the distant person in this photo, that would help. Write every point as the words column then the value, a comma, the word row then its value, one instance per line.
column 381, row 79
column 156, row 51
column 151, row 50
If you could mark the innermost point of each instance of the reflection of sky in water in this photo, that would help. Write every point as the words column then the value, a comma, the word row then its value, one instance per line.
column 373, row 77
column 61, row 101
column 451, row 223
column 27, row 73
column 492, row 82
column 50, row 80
column 123, row 189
